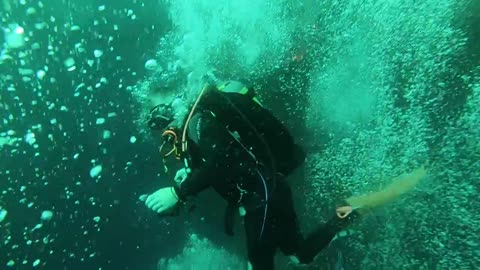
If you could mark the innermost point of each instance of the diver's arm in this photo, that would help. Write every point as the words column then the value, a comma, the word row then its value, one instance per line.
column 213, row 142
column 198, row 180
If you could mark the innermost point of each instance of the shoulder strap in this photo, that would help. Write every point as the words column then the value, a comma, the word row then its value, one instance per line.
column 194, row 128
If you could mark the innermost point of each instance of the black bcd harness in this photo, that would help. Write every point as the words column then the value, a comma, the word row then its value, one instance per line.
column 254, row 127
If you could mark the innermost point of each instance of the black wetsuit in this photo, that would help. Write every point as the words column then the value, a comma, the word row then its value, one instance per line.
column 220, row 161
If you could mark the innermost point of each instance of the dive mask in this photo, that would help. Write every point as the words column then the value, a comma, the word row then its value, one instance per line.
column 160, row 117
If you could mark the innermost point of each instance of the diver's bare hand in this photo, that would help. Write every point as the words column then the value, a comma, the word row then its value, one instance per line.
column 162, row 200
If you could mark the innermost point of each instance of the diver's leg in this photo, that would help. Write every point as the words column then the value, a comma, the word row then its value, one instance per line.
column 290, row 239
column 261, row 246
column 349, row 211
column 322, row 236
column 288, row 233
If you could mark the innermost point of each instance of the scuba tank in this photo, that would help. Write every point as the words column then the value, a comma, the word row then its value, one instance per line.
column 238, row 108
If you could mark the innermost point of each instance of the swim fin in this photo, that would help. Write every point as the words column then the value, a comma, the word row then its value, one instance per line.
column 399, row 186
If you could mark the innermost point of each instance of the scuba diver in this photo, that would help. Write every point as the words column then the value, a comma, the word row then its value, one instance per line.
column 226, row 140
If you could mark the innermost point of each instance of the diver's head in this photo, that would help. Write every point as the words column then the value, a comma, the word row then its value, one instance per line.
column 165, row 122
column 169, row 113
column 160, row 117
column 165, row 102
column 166, row 111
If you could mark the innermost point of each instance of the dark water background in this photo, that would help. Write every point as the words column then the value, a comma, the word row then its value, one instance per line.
column 126, row 237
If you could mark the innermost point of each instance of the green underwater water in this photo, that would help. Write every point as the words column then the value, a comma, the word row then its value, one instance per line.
column 380, row 87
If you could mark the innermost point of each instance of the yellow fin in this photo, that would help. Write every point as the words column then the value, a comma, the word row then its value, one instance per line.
column 399, row 186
